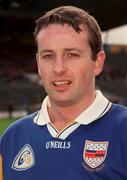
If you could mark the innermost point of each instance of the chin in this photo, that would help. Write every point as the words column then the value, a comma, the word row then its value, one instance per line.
column 61, row 100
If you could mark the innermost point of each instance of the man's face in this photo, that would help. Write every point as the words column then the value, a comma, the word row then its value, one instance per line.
column 65, row 64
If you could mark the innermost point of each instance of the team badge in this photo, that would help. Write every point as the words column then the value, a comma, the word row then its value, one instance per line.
column 25, row 159
column 95, row 153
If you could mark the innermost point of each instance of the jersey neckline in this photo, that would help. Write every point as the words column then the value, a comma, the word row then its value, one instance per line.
column 97, row 109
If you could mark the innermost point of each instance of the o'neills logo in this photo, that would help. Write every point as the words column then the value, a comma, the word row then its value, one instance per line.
column 58, row 145
column 95, row 153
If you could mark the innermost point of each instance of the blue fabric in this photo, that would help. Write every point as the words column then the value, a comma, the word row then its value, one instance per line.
column 57, row 159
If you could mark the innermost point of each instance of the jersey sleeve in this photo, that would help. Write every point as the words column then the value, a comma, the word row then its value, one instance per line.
column 1, row 169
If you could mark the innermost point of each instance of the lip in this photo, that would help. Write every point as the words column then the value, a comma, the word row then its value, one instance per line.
column 61, row 84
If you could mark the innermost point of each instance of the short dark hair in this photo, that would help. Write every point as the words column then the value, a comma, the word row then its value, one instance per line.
column 76, row 18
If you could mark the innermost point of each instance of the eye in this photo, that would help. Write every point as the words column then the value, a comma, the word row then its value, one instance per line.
column 47, row 56
column 73, row 55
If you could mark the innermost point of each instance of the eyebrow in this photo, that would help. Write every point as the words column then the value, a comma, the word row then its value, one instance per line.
column 73, row 49
column 46, row 51
column 65, row 49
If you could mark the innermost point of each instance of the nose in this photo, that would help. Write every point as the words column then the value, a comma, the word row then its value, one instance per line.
column 60, row 66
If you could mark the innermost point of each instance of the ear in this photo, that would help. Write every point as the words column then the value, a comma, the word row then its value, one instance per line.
column 99, row 63
column 37, row 59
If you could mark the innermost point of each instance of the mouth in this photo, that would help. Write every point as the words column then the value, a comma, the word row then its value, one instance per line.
column 64, row 83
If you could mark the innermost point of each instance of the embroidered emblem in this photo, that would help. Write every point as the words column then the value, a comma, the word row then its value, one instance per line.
column 95, row 153
column 25, row 159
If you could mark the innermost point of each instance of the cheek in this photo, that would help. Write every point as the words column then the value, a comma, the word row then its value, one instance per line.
column 42, row 72
column 80, row 76
column 85, row 71
column 41, row 68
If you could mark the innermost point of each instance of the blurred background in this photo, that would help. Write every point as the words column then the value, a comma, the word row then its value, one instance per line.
column 21, row 91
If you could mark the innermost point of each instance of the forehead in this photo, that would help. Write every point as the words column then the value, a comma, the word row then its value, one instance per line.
column 58, row 38
column 55, row 30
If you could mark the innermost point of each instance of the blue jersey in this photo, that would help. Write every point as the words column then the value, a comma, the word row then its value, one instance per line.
column 97, row 150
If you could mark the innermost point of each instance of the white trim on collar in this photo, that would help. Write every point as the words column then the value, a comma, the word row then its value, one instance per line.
column 42, row 116
column 97, row 109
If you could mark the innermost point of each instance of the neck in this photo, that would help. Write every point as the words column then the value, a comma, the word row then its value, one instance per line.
column 61, row 116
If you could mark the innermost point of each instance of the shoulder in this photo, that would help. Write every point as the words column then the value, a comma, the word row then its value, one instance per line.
column 22, row 122
column 17, row 135
column 119, row 110
column 117, row 117
column 19, row 127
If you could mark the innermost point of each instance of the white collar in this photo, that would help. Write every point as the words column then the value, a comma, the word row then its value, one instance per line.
column 97, row 109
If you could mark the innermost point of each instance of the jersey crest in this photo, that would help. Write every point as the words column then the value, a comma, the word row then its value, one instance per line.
column 25, row 159
column 95, row 153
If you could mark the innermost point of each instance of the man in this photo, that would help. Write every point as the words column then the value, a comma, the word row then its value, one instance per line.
column 78, row 134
